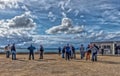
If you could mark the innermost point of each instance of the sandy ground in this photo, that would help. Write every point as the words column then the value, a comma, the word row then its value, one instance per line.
column 54, row 65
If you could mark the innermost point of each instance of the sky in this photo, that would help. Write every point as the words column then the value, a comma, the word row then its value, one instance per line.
column 54, row 23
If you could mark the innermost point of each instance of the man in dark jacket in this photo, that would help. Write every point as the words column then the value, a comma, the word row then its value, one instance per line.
column 63, row 52
column 13, row 51
column 31, row 51
column 73, row 51
column 59, row 51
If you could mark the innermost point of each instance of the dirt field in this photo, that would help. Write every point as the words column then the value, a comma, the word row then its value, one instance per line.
column 54, row 65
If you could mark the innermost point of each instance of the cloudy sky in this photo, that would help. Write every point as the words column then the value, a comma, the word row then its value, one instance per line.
column 57, row 22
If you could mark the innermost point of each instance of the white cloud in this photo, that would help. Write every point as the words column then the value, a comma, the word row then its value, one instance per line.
column 9, row 3
column 20, row 29
column 21, row 21
column 66, row 27
column 25, row 8
column 51, row 16
column 64, row 14
column 106, row 10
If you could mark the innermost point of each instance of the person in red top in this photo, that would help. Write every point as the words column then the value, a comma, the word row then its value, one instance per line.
column 88, row 52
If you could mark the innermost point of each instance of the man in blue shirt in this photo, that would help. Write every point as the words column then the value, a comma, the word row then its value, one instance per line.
column 31, row 51
column 68, row 51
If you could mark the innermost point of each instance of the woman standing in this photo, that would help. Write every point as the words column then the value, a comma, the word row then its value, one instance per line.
column 7, row 50
column 88, row 52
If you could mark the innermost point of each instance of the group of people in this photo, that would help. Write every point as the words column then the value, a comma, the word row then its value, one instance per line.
column 12, row 50
column 31, row 49
column 68, row 52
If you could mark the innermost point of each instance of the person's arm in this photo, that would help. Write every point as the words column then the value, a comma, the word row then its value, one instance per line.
column 74, row 49
column 83, row 48
column 34, row 48
column 43, row 48
column 11, row 48
column 15, row 48
column 28, row 48
column 5, row 48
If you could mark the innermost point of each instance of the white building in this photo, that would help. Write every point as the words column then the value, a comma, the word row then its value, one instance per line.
column 109, row 46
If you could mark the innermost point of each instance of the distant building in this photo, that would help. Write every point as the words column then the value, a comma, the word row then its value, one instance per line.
column 110, row 47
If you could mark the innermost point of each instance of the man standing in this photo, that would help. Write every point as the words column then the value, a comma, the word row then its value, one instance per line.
column 59, row 51
column 63, row 52
column 41, row 52
column 13, row 50
column 31, row 51
column 73, row 51
column 68, row 51
column 102, row 51
column 94, row 50
column 82, row 52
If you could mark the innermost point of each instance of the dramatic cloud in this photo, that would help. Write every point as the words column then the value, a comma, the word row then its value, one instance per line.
column 66, row 27
column 18, row 29
column 21, row 21
column 9, row 4
column 100, row 17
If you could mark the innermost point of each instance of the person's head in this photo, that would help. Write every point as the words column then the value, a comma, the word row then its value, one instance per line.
column 71, row 45
column 94, row 44
column 31, row 45
column 8, row 44
column 13, row 44
column 41, row 46
column 81, row 44
column 67, row 44
column 91, row 45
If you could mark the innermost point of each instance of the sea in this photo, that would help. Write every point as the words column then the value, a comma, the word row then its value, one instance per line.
column 25, row 50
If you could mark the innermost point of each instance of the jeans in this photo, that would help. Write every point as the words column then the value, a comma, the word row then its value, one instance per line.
column 67, row 55
column 74, row 55
column 13, row 55
column 63, row 55
column 41, row 54
column 94, row 57
column 7, row 54
column 82, row 55
column 31, row 54
column 71, row 54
